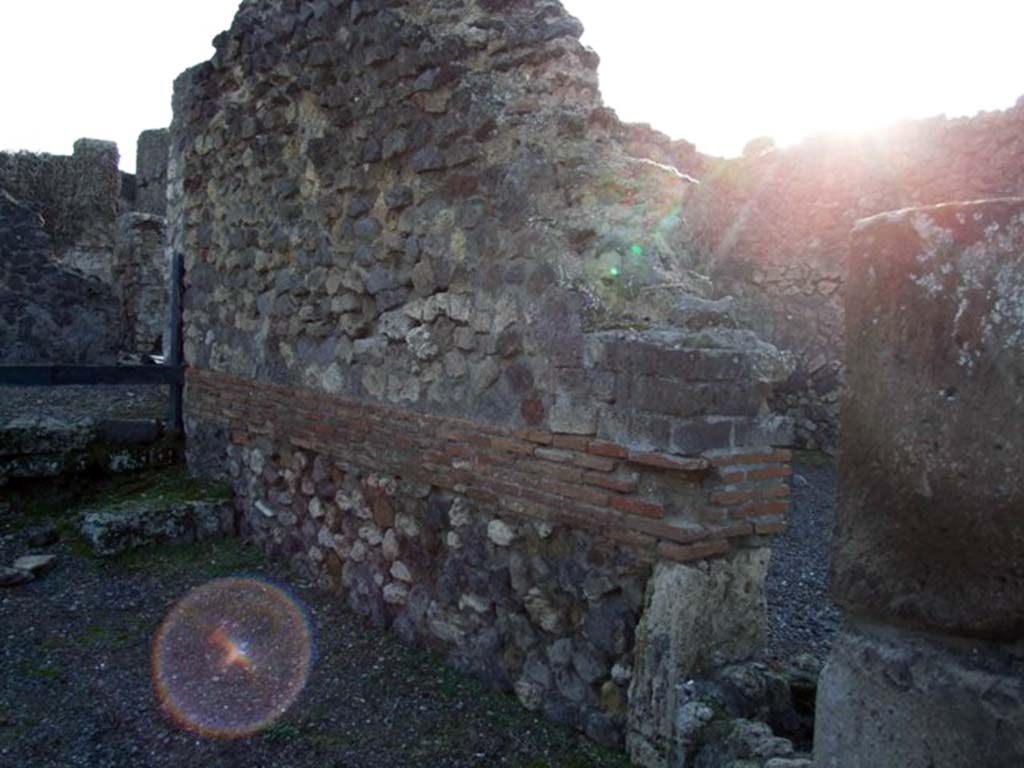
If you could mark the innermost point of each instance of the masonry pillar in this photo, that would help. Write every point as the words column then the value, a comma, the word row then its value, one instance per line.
column 929, row 549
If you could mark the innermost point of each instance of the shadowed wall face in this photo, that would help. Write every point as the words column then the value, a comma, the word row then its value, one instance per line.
column 929, row 546
column 931, row 490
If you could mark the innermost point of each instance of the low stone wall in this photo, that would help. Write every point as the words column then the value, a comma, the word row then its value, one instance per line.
column 523, row 554
column 34, row 447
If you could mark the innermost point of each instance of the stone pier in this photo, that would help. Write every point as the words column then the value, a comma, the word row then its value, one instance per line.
column 929, row 549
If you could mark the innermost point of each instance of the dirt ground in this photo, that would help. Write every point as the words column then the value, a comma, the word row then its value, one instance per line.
column 75, row 687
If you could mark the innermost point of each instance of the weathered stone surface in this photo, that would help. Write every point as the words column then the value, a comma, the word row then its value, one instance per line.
column 82, row 279
column 142, row 524
column 140, row 273
column 696, row 617
column 734, row 742
column 405, row 246
column 931, row 491
column 47, row 447
column 41, row 434
column 14, row 577
column 151, row 155
column 896, row 699
column 49, row 313
column 35, row 564
column 130, row 431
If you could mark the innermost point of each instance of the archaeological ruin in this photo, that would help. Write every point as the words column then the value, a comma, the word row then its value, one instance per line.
column 84, row 274
column 521, row 383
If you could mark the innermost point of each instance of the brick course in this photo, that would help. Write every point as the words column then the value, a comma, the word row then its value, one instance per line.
column 586, row 484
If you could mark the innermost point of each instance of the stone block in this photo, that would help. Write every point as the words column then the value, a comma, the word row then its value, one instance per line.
column 894, row 699
column 697, row 616
column 931, row 489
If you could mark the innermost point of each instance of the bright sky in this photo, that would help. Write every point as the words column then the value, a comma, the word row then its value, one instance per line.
column 715, row 72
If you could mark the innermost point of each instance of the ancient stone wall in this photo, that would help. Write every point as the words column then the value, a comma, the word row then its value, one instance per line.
column 928, row 548
column 78, row 197
column 140, row 275
column 446, row 339
column 151, row 172
column 90, row 283
column 776, row 227
column 49, row 314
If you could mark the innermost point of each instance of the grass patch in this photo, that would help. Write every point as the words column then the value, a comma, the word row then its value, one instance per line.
column 59, row 501
column 169, row 485
column 43, row 672
column 100, row 635
column 210, row 559
column 281, row 733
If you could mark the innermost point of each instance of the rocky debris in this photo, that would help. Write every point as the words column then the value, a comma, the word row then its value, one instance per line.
column 25, row 568
column 135, row 525
column 44, row 536
column 697, row 640
column 35, row 564
column 14, row 577
column 749, row 715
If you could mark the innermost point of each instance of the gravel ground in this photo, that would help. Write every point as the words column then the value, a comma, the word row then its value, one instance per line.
column 75, row 685
column 98, row 402
column 802, row 618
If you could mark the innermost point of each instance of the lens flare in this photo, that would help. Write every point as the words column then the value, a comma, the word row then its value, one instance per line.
column 231, row 657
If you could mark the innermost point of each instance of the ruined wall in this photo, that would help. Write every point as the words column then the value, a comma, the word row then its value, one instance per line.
column 445, row 337
column 776, row 227
column 928, row 546
column 49, row 314
column 78, row 197
column 84, row 211
column 151, row 172
column 140, row 276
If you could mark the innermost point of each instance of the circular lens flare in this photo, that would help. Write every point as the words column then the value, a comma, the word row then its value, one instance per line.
column 231, row 657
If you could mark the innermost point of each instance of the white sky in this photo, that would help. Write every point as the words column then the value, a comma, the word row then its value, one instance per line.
column 715, row 72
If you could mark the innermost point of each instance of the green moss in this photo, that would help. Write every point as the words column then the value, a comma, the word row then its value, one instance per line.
column 281, row 733
column 101, row 635
column 209, row 559
column 168, row 485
